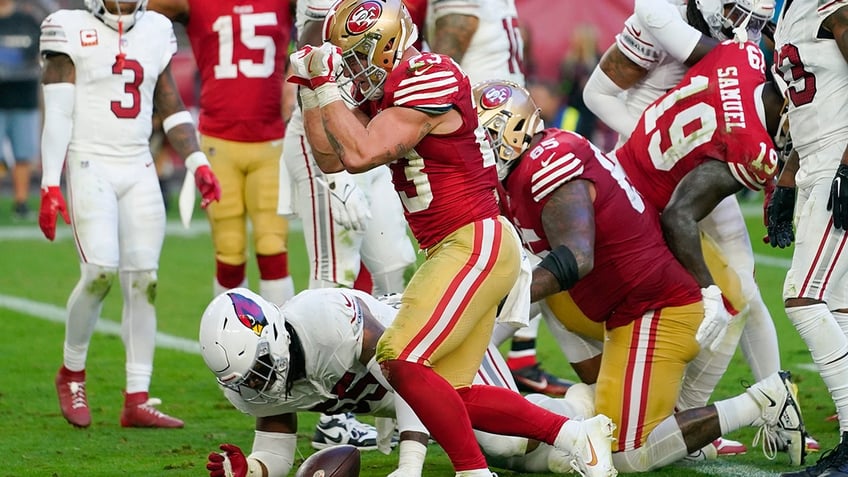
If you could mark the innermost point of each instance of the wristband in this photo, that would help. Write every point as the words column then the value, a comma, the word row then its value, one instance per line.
column 195, row 160
column 180, row 117
column 328, row 93
column 308, row 98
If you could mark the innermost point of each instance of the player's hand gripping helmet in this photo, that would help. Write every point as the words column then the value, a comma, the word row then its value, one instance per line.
column 750, row 15
column 244, row 341
column 510, row 118
column 372, row 34
column 123, row 20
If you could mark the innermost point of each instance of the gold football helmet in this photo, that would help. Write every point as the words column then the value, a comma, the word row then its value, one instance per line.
column 372, row 34
column 510, row 118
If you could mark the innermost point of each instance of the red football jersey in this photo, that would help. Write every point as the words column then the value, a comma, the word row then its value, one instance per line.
column 712, row 114
column 240, row 48
column 448, row 180
column 634, row 269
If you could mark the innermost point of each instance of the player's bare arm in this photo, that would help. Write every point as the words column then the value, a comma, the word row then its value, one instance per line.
column 787, row 174
column 323, row 151
column 285, row 423
column 837, row 23
column 569, row 220
column 621, row 69
column 167, row 101
column 176, row 10
column 453, row 34
column 390, row 135
column 695, row 196
column 58, row 68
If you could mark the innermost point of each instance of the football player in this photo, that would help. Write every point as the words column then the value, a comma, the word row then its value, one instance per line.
column 650, row 56
column 242, row 48
column 415, row 114
column 811, row 55
column 483, row 36
column 105, row 69
column 604, row 253
column 316, row 354
column 347, row 221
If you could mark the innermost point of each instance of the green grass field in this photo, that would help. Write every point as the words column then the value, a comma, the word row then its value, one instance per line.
column 37, row 277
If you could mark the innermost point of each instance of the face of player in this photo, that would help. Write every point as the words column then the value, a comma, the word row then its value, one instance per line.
column 120, row 8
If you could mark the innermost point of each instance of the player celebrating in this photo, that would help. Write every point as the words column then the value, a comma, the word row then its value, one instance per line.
column 416, row 115
column 603, row 244
column 104, row 71
column 811, row 55
column 316, row 354
column 484, row 38
column 241, row 47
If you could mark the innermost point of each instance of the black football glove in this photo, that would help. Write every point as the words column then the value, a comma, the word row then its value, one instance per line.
column 838, row 201
column 780, row 210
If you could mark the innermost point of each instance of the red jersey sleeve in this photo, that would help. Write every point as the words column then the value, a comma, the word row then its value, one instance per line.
column 428, row 82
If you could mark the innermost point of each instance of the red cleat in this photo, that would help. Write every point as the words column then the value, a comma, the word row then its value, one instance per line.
column 70, row 386
column 725, row 446
column 139, row 412
column 534, row 379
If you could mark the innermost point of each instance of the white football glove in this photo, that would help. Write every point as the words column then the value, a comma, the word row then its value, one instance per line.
column 348, row 202
column 715, row 321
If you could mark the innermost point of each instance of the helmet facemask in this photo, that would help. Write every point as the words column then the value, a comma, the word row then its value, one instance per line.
column 373, row 36
column 750, row 19
column 121, row 21
column 510, row 119
column 264, row 382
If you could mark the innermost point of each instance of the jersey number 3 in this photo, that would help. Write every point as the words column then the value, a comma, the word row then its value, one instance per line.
column 131, row 87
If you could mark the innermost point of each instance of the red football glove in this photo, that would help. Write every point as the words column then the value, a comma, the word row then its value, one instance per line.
column 230, row 463
column 207, row 184
column 313, row 67
column 52, row 204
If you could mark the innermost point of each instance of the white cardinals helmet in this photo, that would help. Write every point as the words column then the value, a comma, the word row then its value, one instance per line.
column 752, row 15
column 243, row 340
column 123, row 20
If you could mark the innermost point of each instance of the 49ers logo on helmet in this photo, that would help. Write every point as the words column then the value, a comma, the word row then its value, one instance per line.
column 494, row 96
column 363, row 17
column 249, row 313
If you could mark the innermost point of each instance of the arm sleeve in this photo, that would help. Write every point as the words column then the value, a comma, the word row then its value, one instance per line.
column 668, row 28
column 602, row 97
column 58, row 127
column 275, row 450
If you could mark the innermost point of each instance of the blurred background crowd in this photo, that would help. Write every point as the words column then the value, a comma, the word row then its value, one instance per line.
column 564, row 40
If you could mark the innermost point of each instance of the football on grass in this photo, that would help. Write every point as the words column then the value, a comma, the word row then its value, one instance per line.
column 337, row 461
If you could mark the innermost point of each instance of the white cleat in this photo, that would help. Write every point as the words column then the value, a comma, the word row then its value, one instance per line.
column 781, row 420
column 589, row 444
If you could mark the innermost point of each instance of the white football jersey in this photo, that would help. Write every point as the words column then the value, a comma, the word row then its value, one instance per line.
column 664, row 72
column 114, row 102
column 328, row 323
column 809, row 61
column 496, row 50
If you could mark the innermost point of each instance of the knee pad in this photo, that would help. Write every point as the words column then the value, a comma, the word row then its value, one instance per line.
column 230, row 239
column 97, row 279
column 140, row 283
column 270, row 232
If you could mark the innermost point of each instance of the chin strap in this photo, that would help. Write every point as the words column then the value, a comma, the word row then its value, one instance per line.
column 121, row 56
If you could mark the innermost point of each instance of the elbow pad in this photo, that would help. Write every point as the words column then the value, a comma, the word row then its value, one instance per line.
column 59, row 101
column 601, row 96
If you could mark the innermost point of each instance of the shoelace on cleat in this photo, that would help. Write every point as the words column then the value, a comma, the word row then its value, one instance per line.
column 78, row 399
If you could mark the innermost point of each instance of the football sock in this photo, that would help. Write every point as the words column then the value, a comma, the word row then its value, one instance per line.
column 829, row 349
column 493, row 409
column 277, row 291
column 445, row 417
column 138, row 327
column 737, row 412
column 84, row 306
